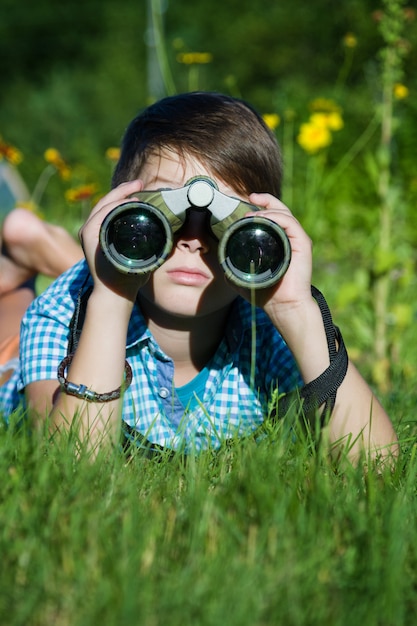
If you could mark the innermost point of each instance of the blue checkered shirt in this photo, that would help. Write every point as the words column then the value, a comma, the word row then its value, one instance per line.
column 236, row 394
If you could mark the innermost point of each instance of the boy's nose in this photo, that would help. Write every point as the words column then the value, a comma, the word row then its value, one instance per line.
column 194, row 235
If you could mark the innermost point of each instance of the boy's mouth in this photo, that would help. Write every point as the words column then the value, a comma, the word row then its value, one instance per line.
column 191, row 276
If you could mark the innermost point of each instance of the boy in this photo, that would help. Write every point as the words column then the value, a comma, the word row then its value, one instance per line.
column 183, row 332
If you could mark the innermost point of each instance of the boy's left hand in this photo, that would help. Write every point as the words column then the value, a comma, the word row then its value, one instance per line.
column 294, row 288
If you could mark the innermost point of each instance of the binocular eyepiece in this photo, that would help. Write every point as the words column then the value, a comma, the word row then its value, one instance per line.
column 137, row 236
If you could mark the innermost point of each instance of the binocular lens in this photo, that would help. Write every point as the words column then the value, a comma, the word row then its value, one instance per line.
column 256, row 252
column 135, row 239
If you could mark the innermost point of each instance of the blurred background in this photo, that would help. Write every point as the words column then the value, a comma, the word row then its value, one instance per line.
column 335, row 81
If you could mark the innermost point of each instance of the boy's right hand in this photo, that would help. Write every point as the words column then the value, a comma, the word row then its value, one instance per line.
column 104, row 274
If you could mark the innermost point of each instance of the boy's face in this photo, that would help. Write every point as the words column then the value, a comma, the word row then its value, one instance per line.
column 191, row 281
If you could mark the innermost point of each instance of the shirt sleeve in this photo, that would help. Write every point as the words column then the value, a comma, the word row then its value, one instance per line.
column 43, row 346
column 45, row 330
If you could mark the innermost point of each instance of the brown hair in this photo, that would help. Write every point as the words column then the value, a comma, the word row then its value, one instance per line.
column 226, row 134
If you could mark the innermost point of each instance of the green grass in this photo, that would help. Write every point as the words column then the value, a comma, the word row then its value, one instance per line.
column 257, row 534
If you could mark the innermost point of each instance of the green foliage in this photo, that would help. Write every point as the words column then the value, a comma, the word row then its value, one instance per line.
column 41, row 37
column 269, row 533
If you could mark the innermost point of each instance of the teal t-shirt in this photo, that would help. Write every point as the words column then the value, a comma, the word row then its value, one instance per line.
column 192, row 392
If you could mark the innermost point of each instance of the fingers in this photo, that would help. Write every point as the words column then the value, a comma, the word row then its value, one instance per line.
column 295, row 284
column 268, row 201
column 117, row 195
column 274, row 209
column 103, row 272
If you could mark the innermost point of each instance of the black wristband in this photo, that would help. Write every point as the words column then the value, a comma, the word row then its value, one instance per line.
column 323, row 389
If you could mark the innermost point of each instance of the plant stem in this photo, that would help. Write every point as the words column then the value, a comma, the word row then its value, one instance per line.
column 41, row 185
column 158, row 34
column 193, row 77
column 288, row 154
column 382, row 283
column 391, row 28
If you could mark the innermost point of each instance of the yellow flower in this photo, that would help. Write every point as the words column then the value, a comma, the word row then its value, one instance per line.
column 113, row 154
column 10, row 153
column 350, row 41
column 194, row 58
column 313, row 137
column 53, row 156
column 272, row 120
column 400, row 91
column 335, row 121
column 80, row 193
column 332, row 120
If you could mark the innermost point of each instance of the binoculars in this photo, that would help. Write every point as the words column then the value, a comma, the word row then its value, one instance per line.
column 137, row 236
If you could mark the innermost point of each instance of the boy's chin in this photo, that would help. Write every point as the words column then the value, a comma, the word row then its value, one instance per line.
column 185, row 308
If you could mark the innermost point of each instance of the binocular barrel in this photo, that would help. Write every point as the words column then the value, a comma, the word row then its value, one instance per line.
column 137, row 236
column 254, row 252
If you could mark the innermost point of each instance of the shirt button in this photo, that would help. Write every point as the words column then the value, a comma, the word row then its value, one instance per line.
column 164, row 392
